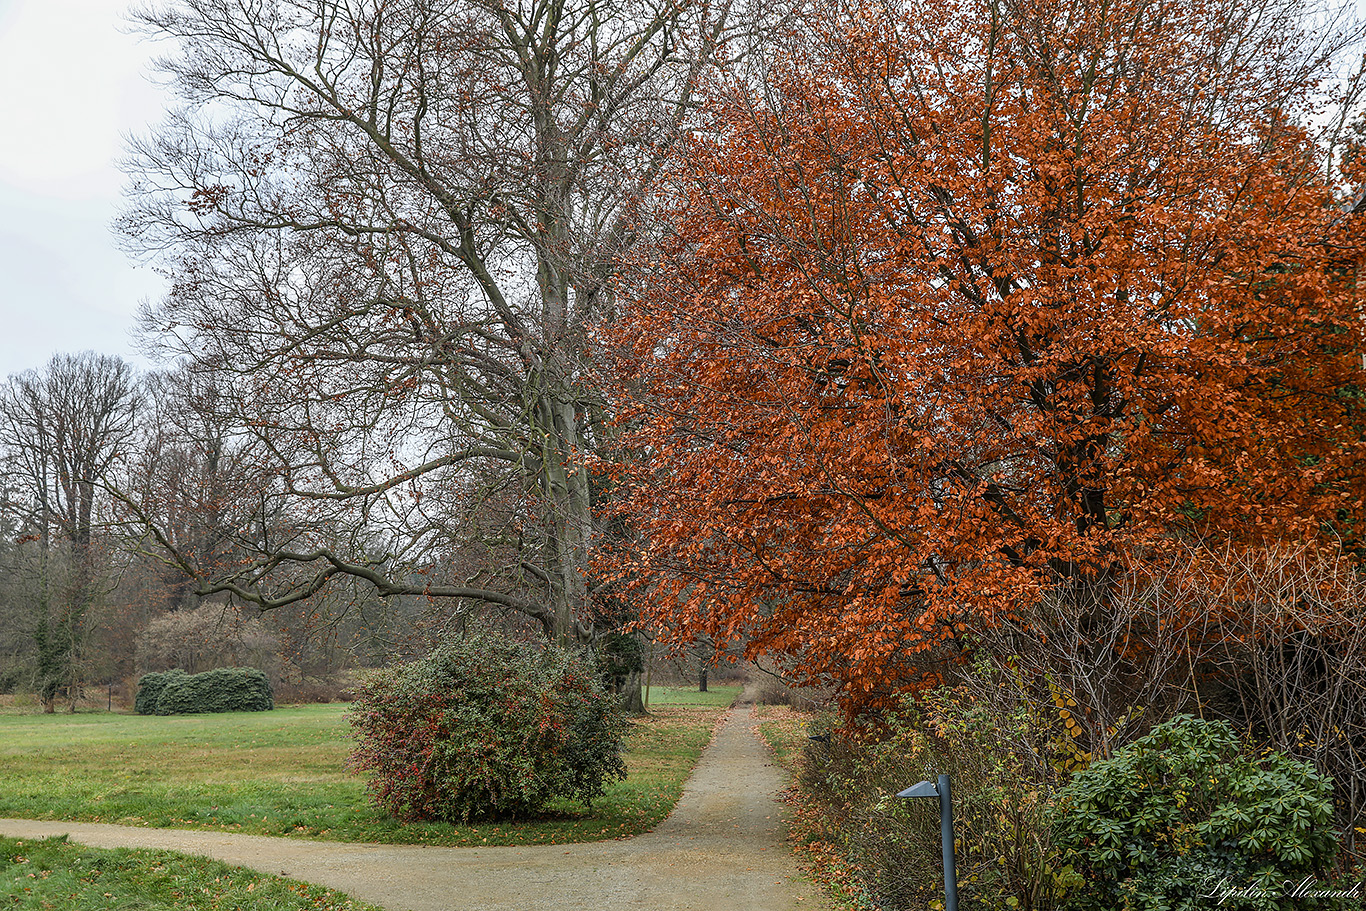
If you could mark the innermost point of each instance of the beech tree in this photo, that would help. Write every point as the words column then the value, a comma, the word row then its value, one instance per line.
column 390, row 225
column 971, row 302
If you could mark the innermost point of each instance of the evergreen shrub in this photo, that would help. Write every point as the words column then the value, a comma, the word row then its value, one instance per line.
column 1184, row 819
column 150, row 687
column 225, row 689
column 486, row 728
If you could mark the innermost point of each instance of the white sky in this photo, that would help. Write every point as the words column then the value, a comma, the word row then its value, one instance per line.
column 73, row 82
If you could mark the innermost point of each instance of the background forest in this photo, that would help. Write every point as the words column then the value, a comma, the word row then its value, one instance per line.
column 86, row 606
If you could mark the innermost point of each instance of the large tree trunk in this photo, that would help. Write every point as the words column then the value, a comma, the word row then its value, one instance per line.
column 569, row 521
column 633, row 694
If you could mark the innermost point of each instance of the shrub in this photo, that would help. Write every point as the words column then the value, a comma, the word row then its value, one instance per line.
column 1182, row 812
column 208, row 637
column 996, row 751
column 483, row 728
column 150, row 687
column 226, row 689
column 1294, row 662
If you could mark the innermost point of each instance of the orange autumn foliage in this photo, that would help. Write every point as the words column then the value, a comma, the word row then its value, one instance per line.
column 980, row 300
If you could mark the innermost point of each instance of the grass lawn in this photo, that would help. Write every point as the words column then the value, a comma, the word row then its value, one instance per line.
column 55, row 874
column 284, row 773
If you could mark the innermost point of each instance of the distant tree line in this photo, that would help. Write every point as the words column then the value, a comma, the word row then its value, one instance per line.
column 89, row 598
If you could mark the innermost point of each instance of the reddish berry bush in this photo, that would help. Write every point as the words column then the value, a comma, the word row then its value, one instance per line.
column 486, row 728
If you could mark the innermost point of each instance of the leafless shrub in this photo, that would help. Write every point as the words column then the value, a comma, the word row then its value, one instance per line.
column 1293, row 661
column 1117, row 663
column 1272, row 639
column 208, row 637
column 772, row 687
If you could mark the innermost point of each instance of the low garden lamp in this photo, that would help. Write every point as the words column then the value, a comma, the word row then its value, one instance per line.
column 941, row 790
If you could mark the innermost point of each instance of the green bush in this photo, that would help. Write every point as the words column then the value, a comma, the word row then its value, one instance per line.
column 226, row 689
column 150, row 687
column 486, row 728
column 619, row 656
column 1182, row 814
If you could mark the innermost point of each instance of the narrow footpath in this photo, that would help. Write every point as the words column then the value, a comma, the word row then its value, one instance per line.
column 721, row 848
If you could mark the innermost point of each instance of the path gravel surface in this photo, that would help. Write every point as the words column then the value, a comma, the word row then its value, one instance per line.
column 721, row 849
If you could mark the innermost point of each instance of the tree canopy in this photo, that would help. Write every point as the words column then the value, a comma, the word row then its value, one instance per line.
column 389, row 226
column 973, row 300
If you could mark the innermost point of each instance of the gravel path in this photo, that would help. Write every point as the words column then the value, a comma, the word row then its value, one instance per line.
column 720, row 850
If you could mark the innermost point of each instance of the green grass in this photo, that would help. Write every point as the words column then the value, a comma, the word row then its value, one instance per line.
column 785, row 730
column 54, row 874
column 717, row 697
column 284, row 773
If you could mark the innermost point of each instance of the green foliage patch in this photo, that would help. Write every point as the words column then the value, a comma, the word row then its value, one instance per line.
column 225, row 689
column 1178, row 815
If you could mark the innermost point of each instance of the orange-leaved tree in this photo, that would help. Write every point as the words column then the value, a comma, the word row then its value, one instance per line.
column 972, row 300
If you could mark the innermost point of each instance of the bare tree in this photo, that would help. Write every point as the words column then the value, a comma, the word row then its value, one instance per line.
column 61, row 429
column 209, row 637
column 391, row 226
column 197, row 491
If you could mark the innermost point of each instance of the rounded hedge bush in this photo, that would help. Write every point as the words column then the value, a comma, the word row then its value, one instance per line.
column 226, row 689
column 1184, row 819
column 150, row 687
column 486, row 728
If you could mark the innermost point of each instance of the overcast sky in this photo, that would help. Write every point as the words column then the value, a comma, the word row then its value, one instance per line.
column 74, row 82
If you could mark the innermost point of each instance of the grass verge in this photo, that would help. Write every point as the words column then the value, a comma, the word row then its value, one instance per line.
column 784, row 729
column 53, row 873
column 787, row 732
column 283, row 773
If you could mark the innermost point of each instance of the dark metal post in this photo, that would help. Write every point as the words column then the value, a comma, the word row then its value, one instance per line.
column 941, row 790
column 946, row 833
